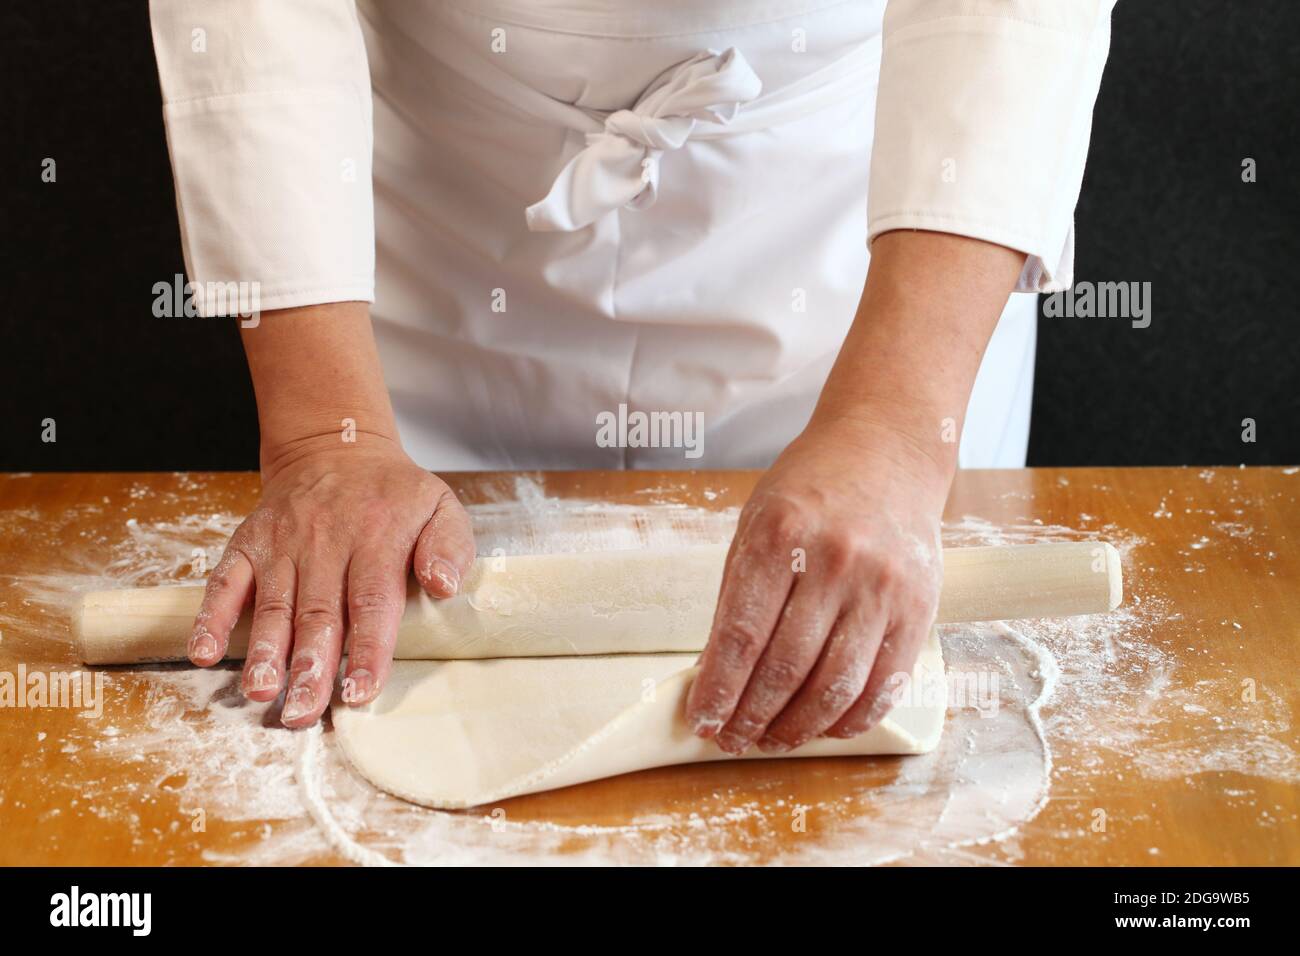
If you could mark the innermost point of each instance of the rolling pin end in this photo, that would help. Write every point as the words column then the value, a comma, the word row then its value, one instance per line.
column 1114, row 575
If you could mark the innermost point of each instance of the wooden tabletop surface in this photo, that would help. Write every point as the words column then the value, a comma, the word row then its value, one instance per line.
column 1191, row 760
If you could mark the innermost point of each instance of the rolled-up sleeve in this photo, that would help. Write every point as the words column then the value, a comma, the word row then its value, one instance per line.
column 983, row 118
column 268, row 117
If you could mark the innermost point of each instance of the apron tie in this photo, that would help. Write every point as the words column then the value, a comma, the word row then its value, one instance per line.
column 620, row 164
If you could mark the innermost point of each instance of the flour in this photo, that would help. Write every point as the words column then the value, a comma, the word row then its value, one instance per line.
column 309, row 784
column 1073, row 695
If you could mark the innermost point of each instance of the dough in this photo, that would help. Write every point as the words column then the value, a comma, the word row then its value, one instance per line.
column 452, row 734
column 548, row 605
column 493, row 694
column 651, row 602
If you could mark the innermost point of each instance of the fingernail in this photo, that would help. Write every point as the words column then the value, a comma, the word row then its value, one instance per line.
column 770, row 745
column 357, row 686
column 732, row 744
column 706, row 727
column 447, row 576
column 203, row 646
column 261, row 677
column 298, row 703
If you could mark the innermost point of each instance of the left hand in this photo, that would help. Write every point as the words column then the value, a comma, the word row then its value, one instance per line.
column 805, row 650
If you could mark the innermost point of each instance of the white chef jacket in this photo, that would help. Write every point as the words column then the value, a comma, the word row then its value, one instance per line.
column 585, row 208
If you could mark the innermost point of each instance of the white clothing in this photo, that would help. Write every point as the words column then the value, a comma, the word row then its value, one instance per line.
column 586, row 204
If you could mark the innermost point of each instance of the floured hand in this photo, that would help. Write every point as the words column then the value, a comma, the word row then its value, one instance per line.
column 339, row 528
column 830, row 589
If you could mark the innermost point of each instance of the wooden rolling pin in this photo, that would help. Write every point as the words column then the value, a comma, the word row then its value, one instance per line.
column 609, row 603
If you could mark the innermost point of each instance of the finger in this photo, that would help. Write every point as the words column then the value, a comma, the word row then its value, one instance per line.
column 444, row 551
column 783, row 666
column 376, row 599
column 892, row 666
column 224, row 598
column 835, row 683
column 317, row 636
column 272, row 631
column 755, row 585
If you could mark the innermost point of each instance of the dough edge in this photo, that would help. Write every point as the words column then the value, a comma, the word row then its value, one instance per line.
column 641, row 736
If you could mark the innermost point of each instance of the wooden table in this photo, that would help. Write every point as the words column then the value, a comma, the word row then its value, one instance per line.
column 1213, row 552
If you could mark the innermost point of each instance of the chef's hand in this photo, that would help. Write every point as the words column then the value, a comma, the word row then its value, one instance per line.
column 833, row 578
column 337, row 531
column 830, row 589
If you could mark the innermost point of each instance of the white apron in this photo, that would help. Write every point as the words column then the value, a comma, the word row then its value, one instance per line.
column 586, row 209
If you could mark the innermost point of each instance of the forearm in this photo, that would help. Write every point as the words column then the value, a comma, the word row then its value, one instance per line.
column 908, row 364
column 345, row 518
column 312, row 368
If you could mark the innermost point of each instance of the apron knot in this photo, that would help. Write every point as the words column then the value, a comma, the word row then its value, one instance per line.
column 620, row 164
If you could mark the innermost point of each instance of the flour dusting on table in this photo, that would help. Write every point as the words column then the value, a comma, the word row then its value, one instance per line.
column 1068, row 692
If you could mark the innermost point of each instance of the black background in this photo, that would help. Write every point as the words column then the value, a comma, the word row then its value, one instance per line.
column 1192, row 88
column 1082, row 899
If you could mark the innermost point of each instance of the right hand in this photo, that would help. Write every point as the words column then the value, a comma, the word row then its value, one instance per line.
column 333, row 539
